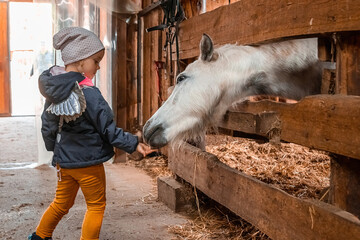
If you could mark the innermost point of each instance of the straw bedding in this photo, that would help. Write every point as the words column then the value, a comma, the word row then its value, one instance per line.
column 298, row 170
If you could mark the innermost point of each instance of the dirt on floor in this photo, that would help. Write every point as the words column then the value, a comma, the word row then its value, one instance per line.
column 132, row 212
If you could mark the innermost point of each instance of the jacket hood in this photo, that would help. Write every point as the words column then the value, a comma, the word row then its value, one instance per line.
column 55, row 84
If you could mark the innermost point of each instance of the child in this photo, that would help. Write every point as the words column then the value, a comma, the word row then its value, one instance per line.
column 78, row 126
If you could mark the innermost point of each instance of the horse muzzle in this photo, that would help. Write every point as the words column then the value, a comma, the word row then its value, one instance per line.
column 154, row 135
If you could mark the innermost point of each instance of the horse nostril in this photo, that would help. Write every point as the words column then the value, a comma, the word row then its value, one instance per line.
column 154, row 135
column 148, row 130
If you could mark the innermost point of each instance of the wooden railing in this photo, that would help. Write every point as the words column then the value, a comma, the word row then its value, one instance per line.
column 325, row 122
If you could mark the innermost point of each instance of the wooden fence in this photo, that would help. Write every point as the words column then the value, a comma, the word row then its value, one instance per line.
column 325, row 122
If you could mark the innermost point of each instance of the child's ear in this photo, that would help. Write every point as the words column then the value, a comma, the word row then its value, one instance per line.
column 80, row 65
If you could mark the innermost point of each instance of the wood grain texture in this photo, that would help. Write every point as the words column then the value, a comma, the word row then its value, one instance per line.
column 345, row 184
column 250, row 22
column 348, row 64
column 324, row 122
column 278, row 214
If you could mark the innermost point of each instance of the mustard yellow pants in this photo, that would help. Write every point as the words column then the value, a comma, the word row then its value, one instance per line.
column 91, row 180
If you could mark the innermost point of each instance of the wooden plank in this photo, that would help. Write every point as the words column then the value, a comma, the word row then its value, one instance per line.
column 155, row 56
column 152, row 48
column 328, row 83
column 131, row 56
column 192, row 7
column 249, row 22
column 146, row 85
column 213, row 4
column 120, row 80
column 140, row 71
column 345, row 180
column 121, row 68
column 120, row 155
column 345, row 184
column 348, row 64
column 325, row 122
column 4, row 62
column 278, row 214
column 265, row 124
column 325, row 53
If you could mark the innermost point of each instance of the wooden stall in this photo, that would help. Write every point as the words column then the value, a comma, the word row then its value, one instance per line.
column 324, row 122
column 124, row 79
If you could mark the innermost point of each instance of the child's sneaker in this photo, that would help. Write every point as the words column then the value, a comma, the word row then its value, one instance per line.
column 33, row 236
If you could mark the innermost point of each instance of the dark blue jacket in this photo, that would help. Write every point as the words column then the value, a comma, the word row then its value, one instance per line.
column 88, row 140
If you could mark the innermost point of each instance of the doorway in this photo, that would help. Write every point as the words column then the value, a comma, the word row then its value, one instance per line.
column 30, row 42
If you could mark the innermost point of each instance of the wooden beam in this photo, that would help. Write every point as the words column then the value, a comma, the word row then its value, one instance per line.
column 147, row 72
column 249, row 22
column 119, row 80
column 131, row 56
column 150, row 8
column 328, row 83
column 326, row 122
column 348, row 64
column 345, row 184
column 213, row 4
column 325, row 53
column 156, row 47
column 276, row 213
column 266, row 124
column 152, row 51
column 192, row 7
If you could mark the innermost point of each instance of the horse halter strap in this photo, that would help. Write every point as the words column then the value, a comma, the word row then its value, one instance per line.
column 173, row 15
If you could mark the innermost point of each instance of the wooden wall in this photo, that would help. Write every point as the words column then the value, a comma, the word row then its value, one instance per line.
column 124, row 75
column 152, row 44
column 154, row 65
column 155, row 82
column 257, row 23
column 260, row 23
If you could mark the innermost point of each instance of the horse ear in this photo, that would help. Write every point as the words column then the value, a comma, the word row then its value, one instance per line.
column 206, row 48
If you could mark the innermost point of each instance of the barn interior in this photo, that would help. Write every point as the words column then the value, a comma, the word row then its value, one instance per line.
column 273, row 168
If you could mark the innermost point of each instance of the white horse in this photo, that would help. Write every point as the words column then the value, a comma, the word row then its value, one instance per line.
column 221, row 76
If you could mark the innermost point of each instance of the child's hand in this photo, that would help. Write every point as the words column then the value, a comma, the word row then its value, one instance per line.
column 144, row 149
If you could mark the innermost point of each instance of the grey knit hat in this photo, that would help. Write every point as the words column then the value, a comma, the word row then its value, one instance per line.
column 76, row 44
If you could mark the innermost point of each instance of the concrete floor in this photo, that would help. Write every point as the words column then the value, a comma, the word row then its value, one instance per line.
column 132, row 212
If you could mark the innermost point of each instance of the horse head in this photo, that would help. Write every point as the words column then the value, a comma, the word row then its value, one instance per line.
column 208, row 86
column 192, row 103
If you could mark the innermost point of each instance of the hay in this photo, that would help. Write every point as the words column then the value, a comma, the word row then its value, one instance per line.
column 155, row 166
column 215, row 222
column 298, row 170
column 214, row 226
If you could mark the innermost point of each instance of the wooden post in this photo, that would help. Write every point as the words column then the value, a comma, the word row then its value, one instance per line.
column 328, row 83
column 345, row 177
column 131, row 91
column 119, row 76
column 147, row 64
column 324, row 49
column 348, row 64
column 345, row 184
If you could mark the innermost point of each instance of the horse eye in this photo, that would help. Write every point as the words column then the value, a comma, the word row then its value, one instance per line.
column 180, row 78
